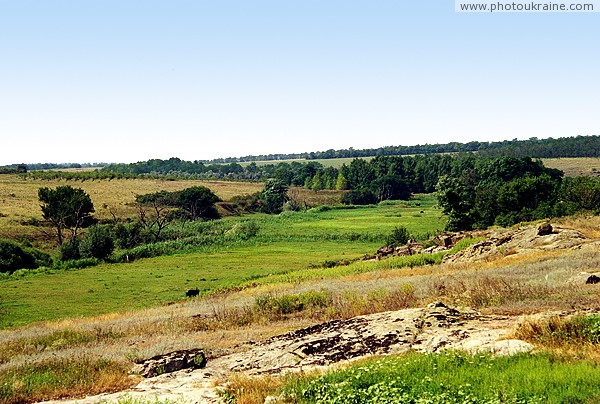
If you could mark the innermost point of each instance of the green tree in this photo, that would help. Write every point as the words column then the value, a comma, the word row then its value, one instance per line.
column 341, row 183
column 274, row 196
column 198, row 203
column 97, row 243
column 66, row 208
column 391, row 187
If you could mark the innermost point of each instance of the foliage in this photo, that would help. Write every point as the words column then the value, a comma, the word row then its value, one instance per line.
column 157, row 209
column 60, row 378
column 274, row 196
column 580, row 193
column 399, row 236
column 502, row 191
column 65, row 208
column 560, row 332
column 453, row 377
column 288, row 304
column 69, row 250
column 197, row 202
column 97, row 243
column 14, row 256
column 361, row 196
column 128, row 235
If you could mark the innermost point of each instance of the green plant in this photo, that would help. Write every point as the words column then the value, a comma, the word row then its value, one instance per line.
column 66, row 208
column 69, row 250
column 97, row 243
column 398, row 236
column 14, row 256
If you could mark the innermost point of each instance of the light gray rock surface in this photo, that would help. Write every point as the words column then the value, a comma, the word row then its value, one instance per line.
column 430, row 329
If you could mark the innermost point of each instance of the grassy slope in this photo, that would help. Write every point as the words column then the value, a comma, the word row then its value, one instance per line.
column 289, row 242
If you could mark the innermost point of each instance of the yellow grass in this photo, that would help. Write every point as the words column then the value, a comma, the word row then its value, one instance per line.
column 575, row 166
column 19, row 199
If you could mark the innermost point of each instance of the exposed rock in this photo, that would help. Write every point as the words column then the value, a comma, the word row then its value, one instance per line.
column 429, row 329
column 171, row 362
column 523, row 240
column 544, row 229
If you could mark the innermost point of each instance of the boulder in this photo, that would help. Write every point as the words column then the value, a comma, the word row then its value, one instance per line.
column 171, row 362
column 545, row 229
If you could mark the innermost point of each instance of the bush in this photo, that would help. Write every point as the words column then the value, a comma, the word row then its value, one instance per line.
column 128, row 235
column 14, row 256
column 69, row 250
column 359, row 197
column 398, row 236
column 97, row 243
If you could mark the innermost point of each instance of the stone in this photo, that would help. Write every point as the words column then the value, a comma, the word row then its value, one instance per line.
column 545, row 229
column 171, row 362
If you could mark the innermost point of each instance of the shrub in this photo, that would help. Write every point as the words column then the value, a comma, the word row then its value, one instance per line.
column 359, row 197
column 97, row 243
column 128, row 235
column 398, row 236
column 69, row 250
column 14, row 256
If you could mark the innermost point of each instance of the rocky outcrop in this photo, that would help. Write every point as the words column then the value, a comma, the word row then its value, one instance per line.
column 171, row 362
column 430, row 329
column 524, row 240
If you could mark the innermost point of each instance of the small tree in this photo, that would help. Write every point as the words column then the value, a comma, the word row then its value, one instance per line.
column 274, row 196
column 66, row 208
column 398, row 236
column 97, row 243
column 198, row 202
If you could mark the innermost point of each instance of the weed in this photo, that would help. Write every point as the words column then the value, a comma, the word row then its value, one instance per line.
column 60, row 378
column 452, row 377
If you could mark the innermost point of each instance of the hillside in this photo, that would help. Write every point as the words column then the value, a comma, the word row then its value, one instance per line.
column 500, row 288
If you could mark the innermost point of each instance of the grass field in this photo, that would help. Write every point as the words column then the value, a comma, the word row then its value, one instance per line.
column 576, row 166
column 286, row 243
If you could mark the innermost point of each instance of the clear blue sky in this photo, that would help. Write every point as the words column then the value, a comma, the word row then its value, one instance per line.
column 128, row 80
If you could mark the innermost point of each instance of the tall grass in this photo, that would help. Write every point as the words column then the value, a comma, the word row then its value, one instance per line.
column 60, row 378
column 453, row 377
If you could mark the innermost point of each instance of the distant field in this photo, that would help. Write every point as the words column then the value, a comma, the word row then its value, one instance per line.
column 574, row 167
column 19, row 200
column 337, row 163
column 285, row 243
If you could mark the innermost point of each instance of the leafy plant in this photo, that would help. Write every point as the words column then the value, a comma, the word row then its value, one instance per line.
column 398, row 236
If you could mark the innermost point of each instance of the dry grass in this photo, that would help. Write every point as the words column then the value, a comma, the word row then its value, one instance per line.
column 112, row 198
column 515, row 285
column 575, row 336
column 575, row 166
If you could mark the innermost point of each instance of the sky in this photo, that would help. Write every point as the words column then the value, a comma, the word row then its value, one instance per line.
column 130, row 80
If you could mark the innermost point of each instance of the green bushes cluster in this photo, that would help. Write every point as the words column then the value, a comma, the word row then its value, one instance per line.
column 288, row 304
column 14, row 256
column 98, row 243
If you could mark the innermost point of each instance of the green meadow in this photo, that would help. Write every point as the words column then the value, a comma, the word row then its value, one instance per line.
column 292, row 242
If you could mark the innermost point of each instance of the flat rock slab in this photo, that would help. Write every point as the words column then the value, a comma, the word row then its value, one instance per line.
column 429, row 329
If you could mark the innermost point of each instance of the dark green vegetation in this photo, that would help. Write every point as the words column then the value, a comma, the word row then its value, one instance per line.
column 507, row 191
column 66, row 208
column 579, row 146
column 454, row 377
column 215, row 255
column 14, row 256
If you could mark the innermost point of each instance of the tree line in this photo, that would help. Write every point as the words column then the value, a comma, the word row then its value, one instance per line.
column 576, row 146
